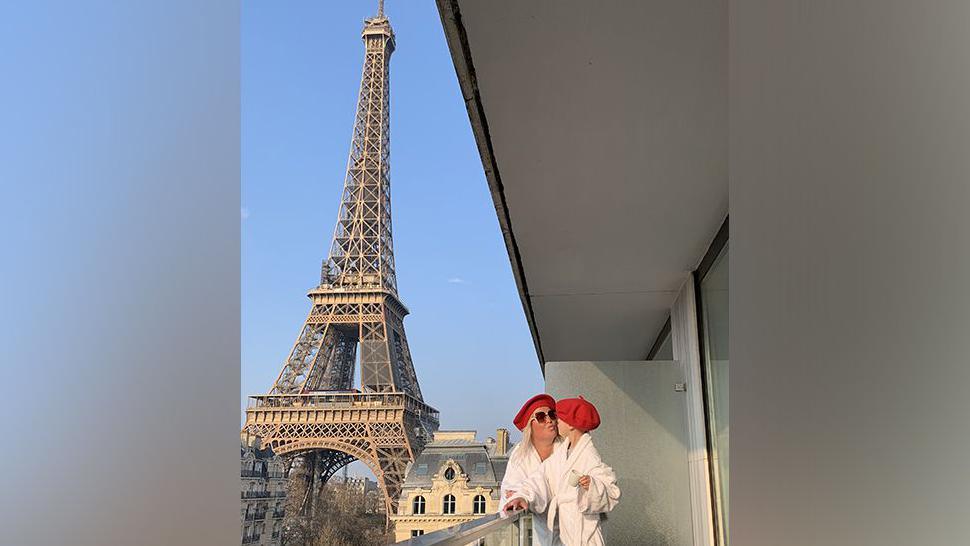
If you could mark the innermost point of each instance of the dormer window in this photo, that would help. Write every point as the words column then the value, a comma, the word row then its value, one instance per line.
column 449, row 473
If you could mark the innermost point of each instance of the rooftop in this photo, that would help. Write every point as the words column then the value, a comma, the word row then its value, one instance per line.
column 475, row 459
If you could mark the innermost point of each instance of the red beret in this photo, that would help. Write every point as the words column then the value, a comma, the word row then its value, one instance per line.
column 532, row 404
column 578, row 413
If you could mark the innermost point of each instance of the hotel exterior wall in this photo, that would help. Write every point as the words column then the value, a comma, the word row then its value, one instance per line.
column 850, row 261
column 643, row 437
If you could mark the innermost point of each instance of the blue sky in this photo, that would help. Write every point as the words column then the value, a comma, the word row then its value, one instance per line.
column 301, row 64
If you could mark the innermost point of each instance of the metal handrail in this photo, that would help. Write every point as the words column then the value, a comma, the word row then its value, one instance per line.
column 260, row 494
column 470, row 531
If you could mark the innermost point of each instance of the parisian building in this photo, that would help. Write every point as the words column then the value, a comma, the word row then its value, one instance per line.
column 263, row 480
column 455, row 479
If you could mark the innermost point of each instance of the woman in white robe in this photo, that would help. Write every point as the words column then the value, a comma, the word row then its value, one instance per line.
column 540, row 439
column 573, row 487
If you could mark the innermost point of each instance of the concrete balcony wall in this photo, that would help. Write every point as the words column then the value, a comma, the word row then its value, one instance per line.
column 643, row 437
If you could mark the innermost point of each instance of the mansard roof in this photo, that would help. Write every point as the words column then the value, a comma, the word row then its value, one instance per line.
column 471, row 457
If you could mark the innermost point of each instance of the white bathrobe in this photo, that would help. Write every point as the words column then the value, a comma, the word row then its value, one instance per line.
column 523, row 462
column 578, row 510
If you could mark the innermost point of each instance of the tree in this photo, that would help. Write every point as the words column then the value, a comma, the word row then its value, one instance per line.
column 338, row 516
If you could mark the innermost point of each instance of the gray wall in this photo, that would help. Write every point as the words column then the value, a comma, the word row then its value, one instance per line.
column 643, row 438
column 850, row 304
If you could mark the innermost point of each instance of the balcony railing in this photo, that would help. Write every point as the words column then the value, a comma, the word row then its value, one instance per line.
column 251, row 540
column 262, row 494
column 261, row 474
column 509, row 529
column 257, row 494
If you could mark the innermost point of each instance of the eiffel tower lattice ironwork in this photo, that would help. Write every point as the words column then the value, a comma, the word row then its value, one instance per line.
column 313, row 410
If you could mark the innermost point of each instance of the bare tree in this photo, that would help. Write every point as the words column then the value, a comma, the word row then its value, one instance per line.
column 338, row 515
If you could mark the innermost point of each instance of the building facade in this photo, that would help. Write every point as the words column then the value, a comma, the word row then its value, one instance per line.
column 455, row 479
column 263, row 483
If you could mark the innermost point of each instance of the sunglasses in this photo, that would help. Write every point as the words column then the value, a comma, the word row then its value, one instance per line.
column 540, row 416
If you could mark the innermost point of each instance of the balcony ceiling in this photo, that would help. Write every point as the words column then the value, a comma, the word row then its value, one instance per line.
column 602, row 127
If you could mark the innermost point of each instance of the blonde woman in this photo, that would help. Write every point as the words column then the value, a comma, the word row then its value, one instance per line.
column 540, row 438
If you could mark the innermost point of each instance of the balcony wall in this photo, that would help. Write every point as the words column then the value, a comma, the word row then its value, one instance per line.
column 643, row 437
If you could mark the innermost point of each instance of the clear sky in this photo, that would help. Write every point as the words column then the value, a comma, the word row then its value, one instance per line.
column 301, row 64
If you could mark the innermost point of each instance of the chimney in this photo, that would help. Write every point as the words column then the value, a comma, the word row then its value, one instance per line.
column 501, row 441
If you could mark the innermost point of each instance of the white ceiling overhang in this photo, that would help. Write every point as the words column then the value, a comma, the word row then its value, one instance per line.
column 603, row 132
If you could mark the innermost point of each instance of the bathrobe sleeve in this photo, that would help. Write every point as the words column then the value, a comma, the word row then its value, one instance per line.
column 514, row 475
column 603, row 493
column 535, row 490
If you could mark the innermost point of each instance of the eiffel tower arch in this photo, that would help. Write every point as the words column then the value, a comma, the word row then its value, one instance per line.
column 314, row 410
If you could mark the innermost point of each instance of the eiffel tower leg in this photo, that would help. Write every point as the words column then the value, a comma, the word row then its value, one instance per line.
column 309, row 466
column 319, row 466
column 393, row 461
column 330, row 461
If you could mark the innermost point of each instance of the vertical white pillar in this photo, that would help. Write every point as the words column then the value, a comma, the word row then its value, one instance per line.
column 683, row 331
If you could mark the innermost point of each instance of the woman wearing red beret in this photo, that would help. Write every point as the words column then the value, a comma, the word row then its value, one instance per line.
column 573, row 486
column 540, row 439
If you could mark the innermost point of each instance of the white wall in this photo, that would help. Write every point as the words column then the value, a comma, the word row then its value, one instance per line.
column 643, row 438
column 850, row 263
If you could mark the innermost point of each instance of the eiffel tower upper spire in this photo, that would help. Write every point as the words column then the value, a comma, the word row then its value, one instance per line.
column 357, row 301
column 362, row 252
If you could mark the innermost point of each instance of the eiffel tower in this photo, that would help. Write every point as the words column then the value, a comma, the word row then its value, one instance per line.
column 313, row 413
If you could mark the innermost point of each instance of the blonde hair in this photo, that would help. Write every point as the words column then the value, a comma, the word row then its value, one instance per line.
column 524, row 446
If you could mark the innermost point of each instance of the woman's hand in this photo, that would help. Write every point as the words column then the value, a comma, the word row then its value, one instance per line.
column 516, row 504
column 584, row 482
column 509, row 493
